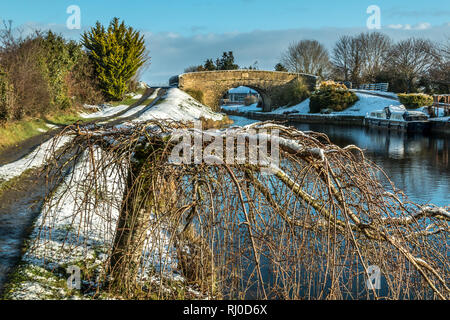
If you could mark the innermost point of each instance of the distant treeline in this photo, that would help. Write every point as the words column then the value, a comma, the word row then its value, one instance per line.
column 411, row 65
column 226, row 62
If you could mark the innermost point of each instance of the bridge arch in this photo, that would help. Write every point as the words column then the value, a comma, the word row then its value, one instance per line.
column 263, row 93
column 214, row 84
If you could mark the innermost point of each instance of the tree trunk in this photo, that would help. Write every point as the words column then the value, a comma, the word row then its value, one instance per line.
column 130, row 236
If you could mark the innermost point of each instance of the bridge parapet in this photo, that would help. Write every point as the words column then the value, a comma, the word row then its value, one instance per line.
column 214, row 84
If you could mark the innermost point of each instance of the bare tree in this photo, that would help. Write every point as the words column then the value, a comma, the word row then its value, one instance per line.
column 307, row 56
column 438, row 78
column 361, row 57
column 412, row 59
column 375, row 48
column 342, row 57
column 309, row 230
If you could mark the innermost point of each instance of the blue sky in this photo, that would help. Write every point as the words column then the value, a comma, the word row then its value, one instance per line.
column 181, row 33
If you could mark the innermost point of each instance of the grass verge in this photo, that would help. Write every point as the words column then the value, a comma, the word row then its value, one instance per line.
column 12, row 133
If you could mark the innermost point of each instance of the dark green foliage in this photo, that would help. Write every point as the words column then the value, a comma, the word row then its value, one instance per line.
column 38, row 69
column 117, row 53
column 415, row 100
column 59, row 58
column 291, row 94
column 226, row 62
column 209, row 65
column 333, row 96
column 280, row 67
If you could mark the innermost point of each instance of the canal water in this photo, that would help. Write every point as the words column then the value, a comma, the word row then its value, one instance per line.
column 417, row 164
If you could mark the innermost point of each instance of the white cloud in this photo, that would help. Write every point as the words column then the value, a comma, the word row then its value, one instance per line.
column 171, row 53
column 419, row 26
column 171, row 57
column 395, row 26
column 422, row 26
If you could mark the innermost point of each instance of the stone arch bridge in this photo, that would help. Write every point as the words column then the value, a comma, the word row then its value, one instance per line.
column 214, row 84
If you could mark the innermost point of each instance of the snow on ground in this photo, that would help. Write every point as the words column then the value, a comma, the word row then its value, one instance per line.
column 35, row 159
column 77, row 225
column 242, row 108
column 302, row 107
column 154, row 94
column 362, row 107
column 179, row 106
column 130, row 112
column 384, row 93
column 51, row 126
column 106, row 112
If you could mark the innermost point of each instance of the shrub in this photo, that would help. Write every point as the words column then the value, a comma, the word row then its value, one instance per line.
column 117, row 53
column 415, row 100
column 331, row 95
column 24, row 61
column 59, row 57
column 6, row 97
column 196, row 94
column 291, row 94
column 249, row 100
column 82, row 83
column 42, row 70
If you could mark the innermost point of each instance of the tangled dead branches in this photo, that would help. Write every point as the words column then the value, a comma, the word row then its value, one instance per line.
column 306, row 227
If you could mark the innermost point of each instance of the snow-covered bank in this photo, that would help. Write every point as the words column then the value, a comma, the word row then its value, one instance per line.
column 177, row 105
column 381, row 93
column 72, row 227
column 77, row 227
column 105, row 112
column 77, row 224
column 362, row 107
column 35, row 159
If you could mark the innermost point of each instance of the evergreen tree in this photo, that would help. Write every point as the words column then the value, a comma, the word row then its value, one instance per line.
column 209, row 65
column 280, row 67
column 117, row 52
column 226, row 62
